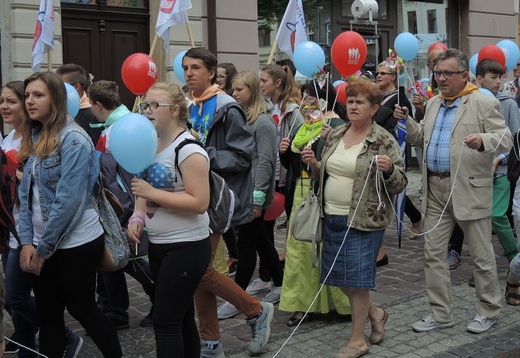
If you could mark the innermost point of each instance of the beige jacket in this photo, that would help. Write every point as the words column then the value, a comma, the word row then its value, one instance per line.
column 370, row 216
column 471, row 170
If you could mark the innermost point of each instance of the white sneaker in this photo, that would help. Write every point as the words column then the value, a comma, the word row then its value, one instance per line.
column 273, row 296
column 257, row 285
column 227, row 310
column 481, row 324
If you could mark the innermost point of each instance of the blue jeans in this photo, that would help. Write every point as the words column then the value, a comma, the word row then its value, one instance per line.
column 18, row 287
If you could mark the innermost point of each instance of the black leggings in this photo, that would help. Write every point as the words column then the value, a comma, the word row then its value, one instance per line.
column 252, row 237
column 177, row 270
column 68, row 279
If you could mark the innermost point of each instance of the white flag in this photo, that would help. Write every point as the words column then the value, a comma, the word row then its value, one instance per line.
column 292, row 31
column 171, row 12
column 44, row 34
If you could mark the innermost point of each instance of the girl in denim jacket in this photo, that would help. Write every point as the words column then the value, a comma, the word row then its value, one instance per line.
column 60, row 231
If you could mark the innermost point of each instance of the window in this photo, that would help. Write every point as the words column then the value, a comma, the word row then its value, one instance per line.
column 115, row 3
column 412, row 22
column 88, row 2
column 264, row 36
column 346, row 6
column 432, row 21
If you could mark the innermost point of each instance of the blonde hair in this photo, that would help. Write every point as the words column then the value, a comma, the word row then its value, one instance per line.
column 290, row 91
column 49, row 139
column 176, row 96
column 257, row 104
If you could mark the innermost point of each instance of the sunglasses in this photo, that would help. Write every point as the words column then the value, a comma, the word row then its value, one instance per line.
column 383, row 73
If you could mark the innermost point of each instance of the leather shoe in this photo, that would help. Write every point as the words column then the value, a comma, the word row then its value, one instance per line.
column 378, row 330
column 351, row 352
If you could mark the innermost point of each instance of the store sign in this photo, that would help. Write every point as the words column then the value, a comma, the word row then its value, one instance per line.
column 425, row 40
column 430, row 1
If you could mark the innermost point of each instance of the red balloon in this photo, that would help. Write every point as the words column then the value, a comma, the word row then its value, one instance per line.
column 277, row 207
column 341, row 90
column 437, row 45
column 493, row 52
column 139, row 73
column 348, row 52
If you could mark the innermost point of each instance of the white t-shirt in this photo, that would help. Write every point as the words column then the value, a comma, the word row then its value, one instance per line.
column 87, row 229
column 164, row 225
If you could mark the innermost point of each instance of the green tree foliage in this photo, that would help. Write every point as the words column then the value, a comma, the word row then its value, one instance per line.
column 271, row 11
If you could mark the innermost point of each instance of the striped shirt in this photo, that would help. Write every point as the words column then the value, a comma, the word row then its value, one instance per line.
column 438, row 153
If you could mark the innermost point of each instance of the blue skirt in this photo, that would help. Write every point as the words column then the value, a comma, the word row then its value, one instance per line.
column 355, row 265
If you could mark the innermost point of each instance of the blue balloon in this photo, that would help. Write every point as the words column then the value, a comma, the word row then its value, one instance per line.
column 406, row 46
column 486, row 92
column 308, row 58
column 73, row 100
column 473, row 61
column 511, row 51
column 133, row 142
column 337, row 83
column 177, row 67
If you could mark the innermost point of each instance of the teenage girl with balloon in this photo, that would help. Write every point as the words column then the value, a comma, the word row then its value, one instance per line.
column 61, row 235
column 19, row 299
column 172, row 204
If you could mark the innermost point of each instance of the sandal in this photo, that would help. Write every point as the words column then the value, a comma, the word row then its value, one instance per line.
column 297, row 317
column 378, row 330
column 512, row 299
column 351, row 352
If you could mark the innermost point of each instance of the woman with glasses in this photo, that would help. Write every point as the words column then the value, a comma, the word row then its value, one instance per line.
column 172, row 203
column 225, row 73
column 386, row 77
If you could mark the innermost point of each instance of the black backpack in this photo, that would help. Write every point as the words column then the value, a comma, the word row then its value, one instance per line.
column 222, row 199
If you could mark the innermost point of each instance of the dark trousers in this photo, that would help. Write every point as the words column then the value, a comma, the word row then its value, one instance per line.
column 114, row 291
column 263, row 272
column 411, row 211
column 68, row 280
column 252, row 237
column 230, row 238
column 177, row 270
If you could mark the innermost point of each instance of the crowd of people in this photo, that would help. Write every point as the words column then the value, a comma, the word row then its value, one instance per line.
column 267, row 137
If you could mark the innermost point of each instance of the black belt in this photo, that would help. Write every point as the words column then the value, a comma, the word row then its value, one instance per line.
column 439, row 174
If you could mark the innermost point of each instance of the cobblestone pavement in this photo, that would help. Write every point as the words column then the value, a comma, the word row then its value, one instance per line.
column 400, row 290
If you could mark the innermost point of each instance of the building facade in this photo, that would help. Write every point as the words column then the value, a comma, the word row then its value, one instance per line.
column 101, row 34
column 464, row 24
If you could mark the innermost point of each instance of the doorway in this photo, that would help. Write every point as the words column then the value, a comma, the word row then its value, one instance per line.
column 100, row 34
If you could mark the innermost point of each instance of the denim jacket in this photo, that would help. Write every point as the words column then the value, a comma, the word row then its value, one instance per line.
column 370, row 216
column 65, row 181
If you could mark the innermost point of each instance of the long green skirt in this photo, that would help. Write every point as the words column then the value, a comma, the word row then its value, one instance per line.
column 301, row 281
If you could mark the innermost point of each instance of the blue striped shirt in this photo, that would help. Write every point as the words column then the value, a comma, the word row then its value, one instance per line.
column 438, row 153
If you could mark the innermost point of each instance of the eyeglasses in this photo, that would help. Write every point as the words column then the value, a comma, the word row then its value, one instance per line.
column 383, row 73
column 446, row 74
column 153, row 105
